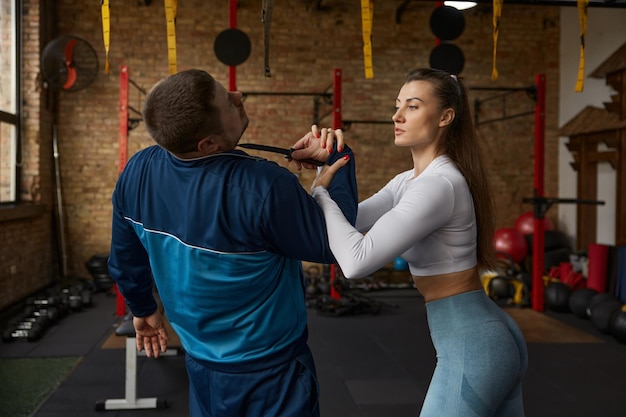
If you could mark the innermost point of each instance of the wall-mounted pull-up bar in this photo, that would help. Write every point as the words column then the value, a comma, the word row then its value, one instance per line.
column 318, row 98
column 331, row 96
column 506, row 92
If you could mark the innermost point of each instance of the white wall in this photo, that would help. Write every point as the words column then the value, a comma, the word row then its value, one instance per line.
column 606, row 32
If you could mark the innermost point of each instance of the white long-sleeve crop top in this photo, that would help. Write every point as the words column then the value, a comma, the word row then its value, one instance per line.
column 427, row 220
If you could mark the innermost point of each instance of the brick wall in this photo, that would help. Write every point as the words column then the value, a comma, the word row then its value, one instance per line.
column 306, row 44
column 25, row 258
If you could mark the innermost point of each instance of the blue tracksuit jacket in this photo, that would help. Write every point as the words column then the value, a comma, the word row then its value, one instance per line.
column 223, row 237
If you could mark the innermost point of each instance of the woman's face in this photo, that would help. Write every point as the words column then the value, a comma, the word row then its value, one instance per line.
column 418, row 120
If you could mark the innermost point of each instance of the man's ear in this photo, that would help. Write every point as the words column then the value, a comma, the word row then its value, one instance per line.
column 208, row 145
column 447, row 116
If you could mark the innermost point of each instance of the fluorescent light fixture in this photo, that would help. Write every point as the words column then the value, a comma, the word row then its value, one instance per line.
column 460, row 5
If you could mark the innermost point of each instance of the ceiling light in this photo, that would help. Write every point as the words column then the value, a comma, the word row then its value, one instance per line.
column 460, row 5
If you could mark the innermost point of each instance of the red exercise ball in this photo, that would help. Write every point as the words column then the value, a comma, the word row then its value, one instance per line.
column 512, row 242
column 525, row 223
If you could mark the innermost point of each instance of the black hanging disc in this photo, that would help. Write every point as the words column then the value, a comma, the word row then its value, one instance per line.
column 447, row 57
column 447, row 23
column 232, row 47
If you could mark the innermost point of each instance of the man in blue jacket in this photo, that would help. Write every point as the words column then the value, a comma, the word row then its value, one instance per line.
column 222, row 235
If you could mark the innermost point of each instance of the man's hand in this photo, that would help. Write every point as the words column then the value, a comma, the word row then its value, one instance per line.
column 317, row 144
column 151, row 334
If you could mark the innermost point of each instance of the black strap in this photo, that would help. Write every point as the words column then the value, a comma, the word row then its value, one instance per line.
column 282, row 151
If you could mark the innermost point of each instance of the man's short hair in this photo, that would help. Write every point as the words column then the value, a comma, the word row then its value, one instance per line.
column 179, row 110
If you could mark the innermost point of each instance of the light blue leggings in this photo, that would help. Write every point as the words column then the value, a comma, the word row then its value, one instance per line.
column 481, row 359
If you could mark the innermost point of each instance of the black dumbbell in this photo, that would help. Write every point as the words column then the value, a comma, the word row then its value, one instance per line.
column 30, row 329
column 42, row 301
column 51, row 312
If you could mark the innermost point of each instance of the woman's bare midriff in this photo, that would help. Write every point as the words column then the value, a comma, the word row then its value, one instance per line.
column 435, row 287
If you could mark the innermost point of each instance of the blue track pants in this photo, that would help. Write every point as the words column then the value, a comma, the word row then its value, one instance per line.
column 287, row 390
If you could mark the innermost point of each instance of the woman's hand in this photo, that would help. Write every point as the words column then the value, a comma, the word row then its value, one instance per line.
column 327, row 137
column 317, row 144
column 325, row 175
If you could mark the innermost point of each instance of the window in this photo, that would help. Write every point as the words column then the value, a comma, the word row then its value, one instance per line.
column 9, row 100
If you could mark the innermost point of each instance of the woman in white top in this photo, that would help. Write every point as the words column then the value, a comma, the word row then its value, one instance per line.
column 438, row 217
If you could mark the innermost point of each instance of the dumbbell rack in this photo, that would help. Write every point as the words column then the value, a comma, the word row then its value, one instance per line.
column 43, row 310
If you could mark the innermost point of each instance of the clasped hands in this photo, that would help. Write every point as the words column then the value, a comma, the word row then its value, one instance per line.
column 318, row 144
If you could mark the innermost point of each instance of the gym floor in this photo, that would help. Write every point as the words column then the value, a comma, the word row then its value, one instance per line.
column 369, row 365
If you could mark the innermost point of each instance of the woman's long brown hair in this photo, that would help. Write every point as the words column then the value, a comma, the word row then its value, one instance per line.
column 462, row 146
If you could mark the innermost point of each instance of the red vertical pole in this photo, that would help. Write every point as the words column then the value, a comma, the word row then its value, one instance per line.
column 232, row 70
column 337, row 124
column 538, row 232
column 123, row 118
column 120, row 309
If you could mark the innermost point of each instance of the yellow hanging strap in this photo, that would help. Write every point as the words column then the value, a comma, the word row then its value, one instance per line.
column 106, row 32
column 170, row 18
column 582, row 17
column 497, row 12
column 367, row 16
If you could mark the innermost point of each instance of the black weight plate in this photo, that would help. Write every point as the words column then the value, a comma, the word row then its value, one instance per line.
column 232, row 47
column 447, row 23
column 447, row 57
